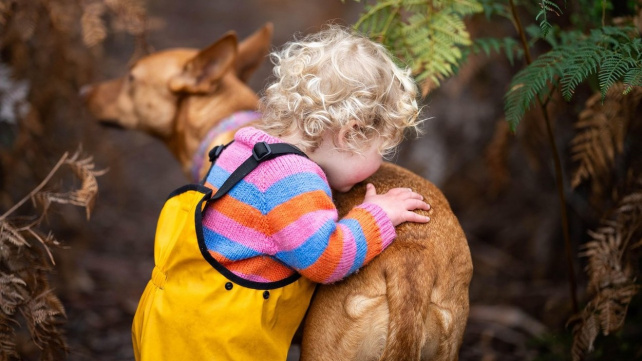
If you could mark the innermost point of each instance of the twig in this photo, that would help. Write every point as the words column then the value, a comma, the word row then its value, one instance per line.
column 558, row 169
column 37, row 189
column 37, row 236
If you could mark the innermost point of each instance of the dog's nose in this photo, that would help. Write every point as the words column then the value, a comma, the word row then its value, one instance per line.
column 84, row 92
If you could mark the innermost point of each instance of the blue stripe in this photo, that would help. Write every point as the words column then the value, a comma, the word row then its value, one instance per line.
column 229, row 249
column 311, row 250
column 294, row 185
column 217, row 176
column 278, row 193
column 360, row 241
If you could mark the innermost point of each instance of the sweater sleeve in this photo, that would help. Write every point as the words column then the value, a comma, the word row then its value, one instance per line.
column 309, row 237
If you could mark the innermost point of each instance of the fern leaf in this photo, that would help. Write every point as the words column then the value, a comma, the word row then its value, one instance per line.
column 613, row 68
column 9, row 234
column 426, row 34
column 612, row 273
column 547, row 6
column 632, row 78
column 528, row 83
column 86, row 195
column 584, row 334
column 602, row 128
column 584, row 62
column 94, row 30
column 492, row 7
column 487, row 45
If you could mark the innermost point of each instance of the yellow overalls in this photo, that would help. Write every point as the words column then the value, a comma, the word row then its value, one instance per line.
column 194, row 309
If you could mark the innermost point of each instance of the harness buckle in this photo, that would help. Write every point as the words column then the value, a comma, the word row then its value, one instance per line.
column 215, row 152
column 261, row 150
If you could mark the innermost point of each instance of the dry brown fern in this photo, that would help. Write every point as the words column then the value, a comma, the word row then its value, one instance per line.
column 602, row 129
column 612, row 269
column 94, row 30
column 85, row 196
column 26, row 261
column 52, row 47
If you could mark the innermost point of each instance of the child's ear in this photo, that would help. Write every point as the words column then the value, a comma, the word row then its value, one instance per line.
column 341, row 141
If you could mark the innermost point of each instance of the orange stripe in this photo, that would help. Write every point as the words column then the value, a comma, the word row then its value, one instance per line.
column 242, row 213
column 262, row 266
column 370, row 231
column 324, row 267
column 220, row 258
column 286, row 213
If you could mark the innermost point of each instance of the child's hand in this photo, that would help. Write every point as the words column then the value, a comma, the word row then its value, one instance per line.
column 398, row 204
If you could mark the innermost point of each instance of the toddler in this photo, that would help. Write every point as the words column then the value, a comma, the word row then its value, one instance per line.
column 235, row 283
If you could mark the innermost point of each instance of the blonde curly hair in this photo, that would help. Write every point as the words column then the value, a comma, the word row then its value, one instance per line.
column 337, row 79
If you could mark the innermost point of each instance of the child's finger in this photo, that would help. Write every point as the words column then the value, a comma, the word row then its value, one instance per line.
column 416, row 204
column 414, row 195
column 416, row 217
column 370, row 190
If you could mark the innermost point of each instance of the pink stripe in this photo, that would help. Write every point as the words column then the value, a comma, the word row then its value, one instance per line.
column 271, row 171
column 281, row 167
column 386, row 229
column 254, row 278
column 347, row 256
column 235, row 155
column 232, row 230
column 297, row 232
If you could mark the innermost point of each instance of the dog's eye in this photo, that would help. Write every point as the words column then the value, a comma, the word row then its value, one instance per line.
column 130, row 78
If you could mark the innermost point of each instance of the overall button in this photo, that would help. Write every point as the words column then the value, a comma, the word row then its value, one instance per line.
column 266, row 294
column 228, row 286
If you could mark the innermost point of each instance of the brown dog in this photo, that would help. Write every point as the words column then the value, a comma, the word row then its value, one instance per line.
column 410, row 303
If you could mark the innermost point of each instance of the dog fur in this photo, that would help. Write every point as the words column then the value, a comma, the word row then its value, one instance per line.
column 409, row 303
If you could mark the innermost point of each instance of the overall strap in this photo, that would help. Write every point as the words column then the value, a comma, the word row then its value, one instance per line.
column 261, row 152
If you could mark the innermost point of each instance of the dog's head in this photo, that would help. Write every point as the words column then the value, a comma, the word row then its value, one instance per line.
column 150, row 96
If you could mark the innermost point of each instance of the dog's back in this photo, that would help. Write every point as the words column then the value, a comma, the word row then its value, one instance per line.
column 409, row 303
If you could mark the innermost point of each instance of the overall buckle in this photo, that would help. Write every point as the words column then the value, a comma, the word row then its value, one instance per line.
column 261, row 150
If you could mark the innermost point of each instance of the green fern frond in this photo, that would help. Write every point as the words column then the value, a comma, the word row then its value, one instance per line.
column 547, row 6
column 428, row 35
column 633, row 78
column 614, row 54
column 527, row 84
column 511, row 47
column 613, row 68
column 494, row 7
column 584, row 62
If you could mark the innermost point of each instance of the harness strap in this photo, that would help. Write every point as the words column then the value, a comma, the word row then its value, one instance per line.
column 260, row 153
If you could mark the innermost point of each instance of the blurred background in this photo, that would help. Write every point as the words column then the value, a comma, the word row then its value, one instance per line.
column 500, row 184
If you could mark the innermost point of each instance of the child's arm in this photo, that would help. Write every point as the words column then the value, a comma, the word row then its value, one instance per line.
column 310, row 238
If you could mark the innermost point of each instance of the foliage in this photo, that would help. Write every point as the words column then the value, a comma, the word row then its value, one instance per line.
column 602, row 130
column 613, row 53
column 612, row 270
column 428, row 35
column 26, row 261
column 48, row 49
column 546, row 6
column 600, row 49
column 605, row 136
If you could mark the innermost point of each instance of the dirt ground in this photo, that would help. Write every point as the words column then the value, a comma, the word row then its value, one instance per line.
column 519, row 288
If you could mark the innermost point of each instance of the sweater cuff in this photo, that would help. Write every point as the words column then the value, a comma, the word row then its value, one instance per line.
column 384, row 223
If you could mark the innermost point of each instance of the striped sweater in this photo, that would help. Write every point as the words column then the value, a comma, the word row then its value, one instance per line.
column 281, row 219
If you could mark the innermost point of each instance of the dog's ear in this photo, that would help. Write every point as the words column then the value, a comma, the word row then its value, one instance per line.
column 252, row 52
column 201, row 73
